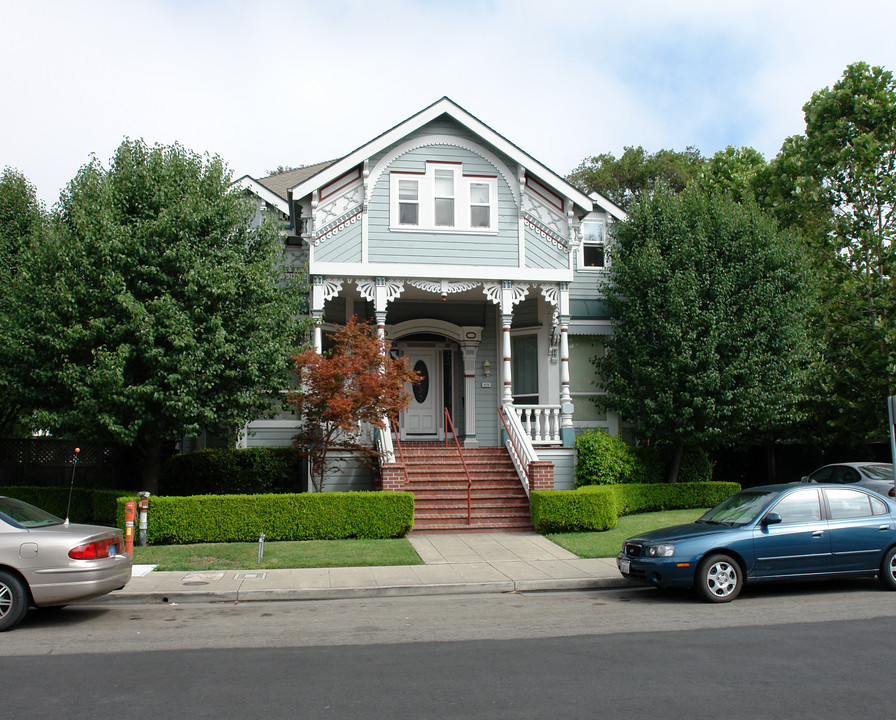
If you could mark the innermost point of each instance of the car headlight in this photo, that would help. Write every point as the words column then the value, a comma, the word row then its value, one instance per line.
column 660, row 551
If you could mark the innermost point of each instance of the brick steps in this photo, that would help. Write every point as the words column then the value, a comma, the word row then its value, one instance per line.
column 437, row 480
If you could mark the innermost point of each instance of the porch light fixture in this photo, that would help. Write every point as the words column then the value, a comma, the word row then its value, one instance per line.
column 486, row 368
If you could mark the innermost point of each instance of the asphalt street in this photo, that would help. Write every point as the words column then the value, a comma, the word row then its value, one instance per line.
column 819, row 651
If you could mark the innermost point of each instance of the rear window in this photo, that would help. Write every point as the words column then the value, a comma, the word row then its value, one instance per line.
column 878, row 472
column 22, row 515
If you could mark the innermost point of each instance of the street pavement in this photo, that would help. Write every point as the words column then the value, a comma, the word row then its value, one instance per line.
column 453, row 564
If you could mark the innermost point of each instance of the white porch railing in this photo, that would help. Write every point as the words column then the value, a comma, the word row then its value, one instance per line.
column 540, row 422
column 519, row 443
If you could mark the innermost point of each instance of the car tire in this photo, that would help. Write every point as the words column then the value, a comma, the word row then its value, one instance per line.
column 887, row 572
column 719, row 579
column 13, row 600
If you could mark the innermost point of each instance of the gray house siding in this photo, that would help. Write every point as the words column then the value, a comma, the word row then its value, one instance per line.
column 501, row 249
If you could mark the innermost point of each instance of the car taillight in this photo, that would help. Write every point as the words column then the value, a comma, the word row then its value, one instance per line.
column 94, row 550
column 891, row 493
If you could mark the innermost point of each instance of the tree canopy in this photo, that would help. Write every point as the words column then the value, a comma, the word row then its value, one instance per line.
column 837, row 185
column 708, row 302
column 155, row 306
column 22, row 223
column 636, row 173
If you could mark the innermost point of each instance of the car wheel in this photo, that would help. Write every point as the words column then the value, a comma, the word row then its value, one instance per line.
column 13, row 601
column 718, row 579
column 887, row 574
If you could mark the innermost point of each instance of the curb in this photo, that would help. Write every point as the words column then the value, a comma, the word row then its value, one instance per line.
column 181, row 597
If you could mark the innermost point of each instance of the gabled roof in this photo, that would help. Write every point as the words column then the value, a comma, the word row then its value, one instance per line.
column 609, row 206
column 275, row 188
column 448, row 107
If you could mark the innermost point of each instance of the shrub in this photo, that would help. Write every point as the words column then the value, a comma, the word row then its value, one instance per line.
column 595, row 508
column 603, row 459
column 87, row 506
column 229, row 471
column 696, row 466
column 302, row 516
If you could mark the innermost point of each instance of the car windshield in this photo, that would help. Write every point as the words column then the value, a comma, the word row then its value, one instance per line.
column 22, row 515
column 878, row 472
column 739, row 509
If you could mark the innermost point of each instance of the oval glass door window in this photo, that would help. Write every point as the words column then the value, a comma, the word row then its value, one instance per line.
column 421, row 389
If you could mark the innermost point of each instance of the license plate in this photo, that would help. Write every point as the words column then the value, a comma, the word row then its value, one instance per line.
column 625, row 566
column 113, row 550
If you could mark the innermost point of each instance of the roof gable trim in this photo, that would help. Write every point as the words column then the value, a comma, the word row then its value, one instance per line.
column 445, row 106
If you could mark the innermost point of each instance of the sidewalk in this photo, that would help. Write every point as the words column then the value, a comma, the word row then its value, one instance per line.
column 454, row 564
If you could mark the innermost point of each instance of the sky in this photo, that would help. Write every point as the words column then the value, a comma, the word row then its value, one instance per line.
column 271, row 83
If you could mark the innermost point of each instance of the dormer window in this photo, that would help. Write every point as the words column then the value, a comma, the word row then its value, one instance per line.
column 443, row 199
column 592, row 252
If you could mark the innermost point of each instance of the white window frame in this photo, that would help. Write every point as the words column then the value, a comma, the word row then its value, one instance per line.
column 401, row 201
column 600, row 240
column 426, row 184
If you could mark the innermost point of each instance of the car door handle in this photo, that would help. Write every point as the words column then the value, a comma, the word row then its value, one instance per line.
column 884, row 528
column 818, row 534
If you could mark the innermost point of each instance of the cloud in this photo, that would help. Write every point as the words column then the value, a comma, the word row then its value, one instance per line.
column 276, row 82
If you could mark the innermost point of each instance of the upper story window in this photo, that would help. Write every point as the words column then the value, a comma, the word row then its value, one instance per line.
column 591, row 256
column 408, row 202
column 443, row 199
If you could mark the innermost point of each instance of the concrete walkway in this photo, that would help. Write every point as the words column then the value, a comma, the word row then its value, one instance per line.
column 454, row 564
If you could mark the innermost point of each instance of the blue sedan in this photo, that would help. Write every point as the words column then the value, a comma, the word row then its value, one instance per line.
column 775, row 532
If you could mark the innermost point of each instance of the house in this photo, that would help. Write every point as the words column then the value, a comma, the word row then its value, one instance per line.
column 479, row 265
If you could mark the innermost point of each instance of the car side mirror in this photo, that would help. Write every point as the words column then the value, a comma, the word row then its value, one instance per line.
column 804, row 479
column 771, row 519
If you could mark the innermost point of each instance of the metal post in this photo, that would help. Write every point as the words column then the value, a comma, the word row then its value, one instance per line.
column 143, row 506
column 260, row 547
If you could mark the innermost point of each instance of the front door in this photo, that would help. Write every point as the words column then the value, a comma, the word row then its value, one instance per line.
column 423, row 418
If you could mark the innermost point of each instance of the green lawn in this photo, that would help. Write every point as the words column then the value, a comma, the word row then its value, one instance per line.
column 609, row 542
column 359, row 553
column 305, row 554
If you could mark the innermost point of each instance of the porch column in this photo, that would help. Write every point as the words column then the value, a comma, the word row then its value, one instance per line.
column 322, row 289
column 507, row 393
column 472, row 336
column 567, row 432
column 505, row 295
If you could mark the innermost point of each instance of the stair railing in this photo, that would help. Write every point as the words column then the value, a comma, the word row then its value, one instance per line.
column 519, row 444
column 387, row 451
column 449, row 424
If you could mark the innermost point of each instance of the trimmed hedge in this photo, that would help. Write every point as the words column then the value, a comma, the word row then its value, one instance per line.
column 302, row 516
column 88, row 505
column 231, row 471
column 599, row 507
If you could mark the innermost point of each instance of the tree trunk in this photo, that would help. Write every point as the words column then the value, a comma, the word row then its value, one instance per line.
column 675, row 463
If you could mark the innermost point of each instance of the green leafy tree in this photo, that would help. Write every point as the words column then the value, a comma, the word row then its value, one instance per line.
column 837, row 185
column 22, row 223
column 354, row 383
column 737, row 171
column 636, row 173
column 156, row 307
column 708, row 301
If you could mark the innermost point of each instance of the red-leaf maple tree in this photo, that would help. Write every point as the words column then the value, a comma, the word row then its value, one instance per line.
column 353, row 383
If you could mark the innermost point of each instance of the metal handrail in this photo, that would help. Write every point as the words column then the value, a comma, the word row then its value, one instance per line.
column 464, row 462
column 520, row 459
